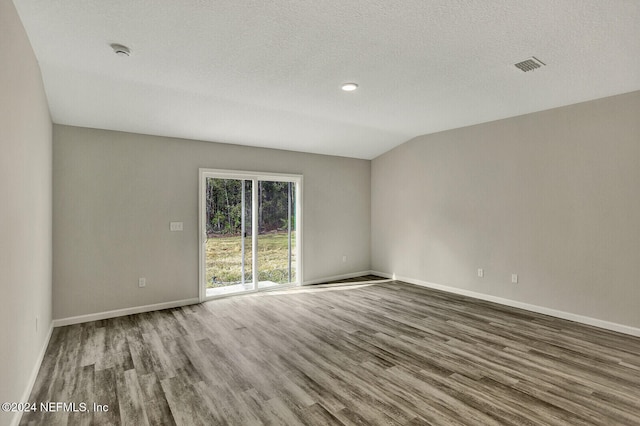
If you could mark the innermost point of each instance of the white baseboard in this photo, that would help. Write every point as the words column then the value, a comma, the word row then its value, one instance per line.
column 32, row 378
column 156, row 307
column 122, row 312
column 337, row 277
column 621, row 328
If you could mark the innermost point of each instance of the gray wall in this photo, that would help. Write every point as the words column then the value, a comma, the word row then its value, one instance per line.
column 552, row 196
column 115, row 194
column 25, row 209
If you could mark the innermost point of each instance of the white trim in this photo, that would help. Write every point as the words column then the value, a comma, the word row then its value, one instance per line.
column 202, row 238
column 299, row 230
column 620, row 328
column 248, row 175
column 122, row 312
column 255, row 230
column 337, row 277
column 17, row 416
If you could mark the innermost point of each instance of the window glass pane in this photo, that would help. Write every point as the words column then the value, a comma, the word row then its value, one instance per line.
column 276, row 233
column 228, row 253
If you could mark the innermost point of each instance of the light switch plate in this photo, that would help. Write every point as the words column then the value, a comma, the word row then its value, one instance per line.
column 176, row 226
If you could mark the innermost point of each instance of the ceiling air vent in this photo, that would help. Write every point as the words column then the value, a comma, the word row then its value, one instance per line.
column 530, row 64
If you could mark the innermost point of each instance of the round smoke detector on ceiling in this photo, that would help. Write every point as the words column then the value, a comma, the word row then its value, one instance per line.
column 121, row 50
column 349, row 87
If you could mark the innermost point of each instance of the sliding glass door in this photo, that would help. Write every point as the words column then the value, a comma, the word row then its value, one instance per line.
column 228, row 259
column 249, row 225
column 276, row 233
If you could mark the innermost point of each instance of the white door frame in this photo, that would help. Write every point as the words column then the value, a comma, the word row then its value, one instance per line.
column 203, row 174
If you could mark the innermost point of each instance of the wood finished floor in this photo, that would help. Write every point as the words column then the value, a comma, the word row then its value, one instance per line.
column 389, row 353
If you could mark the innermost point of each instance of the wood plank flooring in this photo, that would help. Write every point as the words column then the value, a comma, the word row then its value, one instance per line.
column 380, row 354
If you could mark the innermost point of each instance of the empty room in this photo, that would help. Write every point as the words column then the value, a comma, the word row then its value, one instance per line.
column 319, row 212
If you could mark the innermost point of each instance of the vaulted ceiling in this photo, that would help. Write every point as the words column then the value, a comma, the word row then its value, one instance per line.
column 268, row 73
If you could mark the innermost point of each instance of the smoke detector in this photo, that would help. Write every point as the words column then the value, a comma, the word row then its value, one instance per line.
column 121, row 50
column 530, row 64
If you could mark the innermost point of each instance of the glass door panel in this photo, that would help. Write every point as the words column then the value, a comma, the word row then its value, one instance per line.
column 276, row 233
column 228, row 247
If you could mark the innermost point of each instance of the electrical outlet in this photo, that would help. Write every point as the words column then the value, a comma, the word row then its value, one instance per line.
column 480, row 272
column 514, row 278
column 344, row 258
column 142, row 282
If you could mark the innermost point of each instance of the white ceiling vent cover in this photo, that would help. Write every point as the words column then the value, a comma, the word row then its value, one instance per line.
column 530, row 64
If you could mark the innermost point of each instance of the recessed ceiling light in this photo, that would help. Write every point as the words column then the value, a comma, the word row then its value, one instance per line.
column 349, row 87
column 121, row 50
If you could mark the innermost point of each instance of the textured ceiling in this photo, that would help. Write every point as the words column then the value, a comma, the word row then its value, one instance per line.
column 268, row 73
